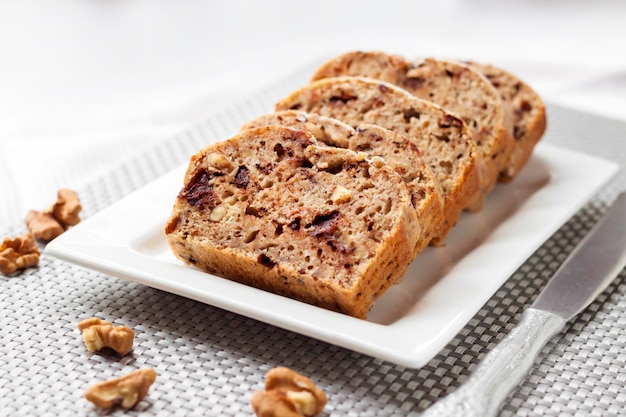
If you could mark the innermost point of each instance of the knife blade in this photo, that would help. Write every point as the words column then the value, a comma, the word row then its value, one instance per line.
column 586, row 272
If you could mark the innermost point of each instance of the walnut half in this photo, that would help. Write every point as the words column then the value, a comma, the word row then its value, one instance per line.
column 55, row 220
column 43, row 226
column 67, row 208
column 288, row 394
column 18, row 253
column 125, row 391
column 99, row 334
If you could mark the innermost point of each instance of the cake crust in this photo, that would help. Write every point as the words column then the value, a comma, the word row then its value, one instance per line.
column 525, row 115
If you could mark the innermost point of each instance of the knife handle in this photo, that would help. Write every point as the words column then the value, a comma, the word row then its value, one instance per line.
column 502, row 369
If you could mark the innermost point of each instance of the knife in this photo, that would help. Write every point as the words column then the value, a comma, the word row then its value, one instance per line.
column 587, row 271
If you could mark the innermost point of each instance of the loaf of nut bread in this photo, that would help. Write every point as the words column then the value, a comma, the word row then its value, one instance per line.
column 457, row 87
column 272, row 209
column 525, row 114
column 443, row 139
column 400, row 153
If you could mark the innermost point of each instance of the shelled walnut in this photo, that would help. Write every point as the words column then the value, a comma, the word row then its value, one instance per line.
column 18, row 253
column 43, row 226
column 67, row 208
column 98, row 334
column 55, row 220
column 288, row 394
column 125, row 391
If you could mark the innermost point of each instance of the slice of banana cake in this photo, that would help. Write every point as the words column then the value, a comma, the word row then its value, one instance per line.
column 273, row 209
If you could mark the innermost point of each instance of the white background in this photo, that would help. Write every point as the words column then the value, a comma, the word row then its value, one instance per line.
column 85, row 83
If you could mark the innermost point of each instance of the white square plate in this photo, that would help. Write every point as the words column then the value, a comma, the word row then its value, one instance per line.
column 409, row 324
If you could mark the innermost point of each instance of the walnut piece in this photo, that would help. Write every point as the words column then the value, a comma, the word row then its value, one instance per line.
column 125, row 391
column 18, row 253
column 99, row 334
column 217, row 213
column 219, row 161
column 288, row 394
column 341, row 195
column 67, row 208
column 43, row 226
column 316, row 131
column 57, row 218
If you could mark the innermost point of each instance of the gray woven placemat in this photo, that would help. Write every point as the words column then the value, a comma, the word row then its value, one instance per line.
column 209, row 361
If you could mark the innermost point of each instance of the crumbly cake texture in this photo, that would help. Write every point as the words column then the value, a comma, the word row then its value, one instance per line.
column 443, row 139
column 272, row 209
column 397, row 151
column 525, row 115
column 457, row 87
